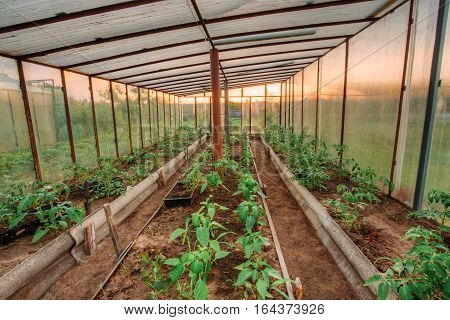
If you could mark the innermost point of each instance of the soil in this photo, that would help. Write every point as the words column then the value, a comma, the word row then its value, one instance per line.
column 92, row 271
column 126, row 282
column 382, row 224
column 306, row 257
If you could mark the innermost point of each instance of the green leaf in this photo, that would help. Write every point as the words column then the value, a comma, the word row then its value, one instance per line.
column 200, row 290
column 176, row 234
column 211, row 211
column 250, row 222
column 243, row 276
column 261, row 287
column 15, row 220
column 38, row 235
column 373, row 280
column 196, row 267
column 383, row 291
column 176, row 273
column 172, row 261
column 405, row 293
column 202, row 236
column 214, row 244
column 220, row 255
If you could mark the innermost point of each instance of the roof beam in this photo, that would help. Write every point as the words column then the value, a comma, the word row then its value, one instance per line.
column 207, row 84
column 228, row 68
column 206, row 76
column 76, row 15
column 222, row 60
column 236, row 85
column 172, row 86
column 194, row 24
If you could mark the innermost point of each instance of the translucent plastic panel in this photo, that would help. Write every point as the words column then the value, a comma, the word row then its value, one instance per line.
column 167, row 111
column 175, row 111
column 332, row 71
column 44, row 87
column 257, row 114
column 374, row 82
column 283, row 104
column 161, row 113
column 439, row 168
column 154, row 116
column 297, row 118
column 235, row 105
column 121, row 113
column 256, row 91
column 413, row 113
column 235, row 92
column 134, row 117
column 274, row 89
column 188, row 112
column 245, row 114
column 273, row 111
column 203, row 112
column 80, row 108
column 145, row 117
column 310, row 99
column 16, row 159
column 104, row 117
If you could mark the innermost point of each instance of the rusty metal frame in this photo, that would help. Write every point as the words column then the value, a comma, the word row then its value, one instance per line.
column 265, row 106
column 211, row 21
column 116, row 140
column 141, row 132
column 32, row 136
column 129, row 119
column 142, row 82
column 303, row 101
column 281, row 102
column 344, row 95
column 68, row 119
column 94, row 117
column 317, row 98
column 76, row 15
column 157, row 114
column 195, row 112
column 295, row 68
column 224, row 60
column 149, row 116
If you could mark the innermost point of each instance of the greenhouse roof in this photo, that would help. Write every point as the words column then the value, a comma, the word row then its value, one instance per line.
column 164, row 44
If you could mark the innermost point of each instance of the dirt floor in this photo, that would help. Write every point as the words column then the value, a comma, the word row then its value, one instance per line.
column 92, row 271
column 126, row 283
column 305, row 255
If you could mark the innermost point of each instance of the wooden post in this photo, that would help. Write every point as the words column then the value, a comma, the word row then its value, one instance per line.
column 116, row 141
column 89, row 239
column 87, row 203
column 69, row 122
column 298, row 289
column 94, row 118
column 162, row 178
column 26, row 104
column 113, row 230
column 217, row 121
column 129, row 119
column 265, row 106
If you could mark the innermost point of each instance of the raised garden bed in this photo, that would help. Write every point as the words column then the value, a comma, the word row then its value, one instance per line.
column 364, row 245
column 132, row 279
column 54, row 257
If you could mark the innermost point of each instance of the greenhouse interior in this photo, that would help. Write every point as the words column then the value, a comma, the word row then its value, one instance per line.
column 224, row 149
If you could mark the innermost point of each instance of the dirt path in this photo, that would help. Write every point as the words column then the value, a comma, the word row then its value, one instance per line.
column 82, row 281
column 305, row 255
